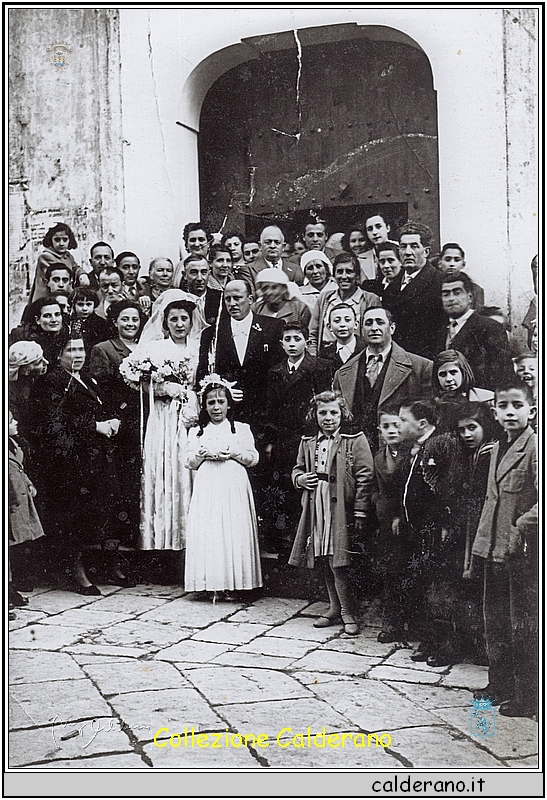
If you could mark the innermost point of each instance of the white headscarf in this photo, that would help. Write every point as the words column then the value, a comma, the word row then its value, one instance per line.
column 153, row 330
column 20, row 355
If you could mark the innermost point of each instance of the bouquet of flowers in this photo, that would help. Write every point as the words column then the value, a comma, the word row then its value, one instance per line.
column 137, row 369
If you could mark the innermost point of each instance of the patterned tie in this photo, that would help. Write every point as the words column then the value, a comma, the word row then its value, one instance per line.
column 451, row 332
column 373, row 368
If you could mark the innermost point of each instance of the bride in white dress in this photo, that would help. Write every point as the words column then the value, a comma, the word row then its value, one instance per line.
column 222, row 552
column 169, row 342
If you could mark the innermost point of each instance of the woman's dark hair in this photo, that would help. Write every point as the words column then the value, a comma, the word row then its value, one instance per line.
column 35, row 309
column 215, row 249
column 231, row 235
column 115, row 309
column 482, row 413
column 194, row 226
column 448, row 357
column 83, row 293
column 185, row 305
column 47, row 241
column 346, row 237
column 328, row 396
column 126, row 254
column 204, row 418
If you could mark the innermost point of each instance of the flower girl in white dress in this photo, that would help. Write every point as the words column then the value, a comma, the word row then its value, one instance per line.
column 222, row 552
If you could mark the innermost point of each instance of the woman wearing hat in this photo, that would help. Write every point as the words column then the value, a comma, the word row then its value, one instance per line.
column 279, row 298
column 317, row 268
column 26, row 362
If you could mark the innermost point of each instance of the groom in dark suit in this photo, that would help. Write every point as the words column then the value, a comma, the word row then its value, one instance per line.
column 243, row 349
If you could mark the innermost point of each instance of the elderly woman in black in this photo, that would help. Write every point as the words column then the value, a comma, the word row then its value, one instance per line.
column 76, row 473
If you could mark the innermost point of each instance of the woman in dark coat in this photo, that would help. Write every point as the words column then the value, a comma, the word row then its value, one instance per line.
column 126, row 319
column 42, row 322
column 76, row 476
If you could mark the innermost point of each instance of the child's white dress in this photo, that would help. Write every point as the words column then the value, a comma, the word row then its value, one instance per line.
column 222, row 551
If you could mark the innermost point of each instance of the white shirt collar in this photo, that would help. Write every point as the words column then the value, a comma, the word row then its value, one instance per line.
column 293, row 367
column 348, row 345
column 384, row 354
column 242, row 326
column 460, row 321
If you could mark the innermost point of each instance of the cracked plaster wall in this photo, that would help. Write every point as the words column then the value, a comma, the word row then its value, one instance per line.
column 487, row 127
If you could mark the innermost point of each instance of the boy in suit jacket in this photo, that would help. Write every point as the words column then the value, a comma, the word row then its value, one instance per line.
column 291, row 385
column 342, row 323
column 507, row 542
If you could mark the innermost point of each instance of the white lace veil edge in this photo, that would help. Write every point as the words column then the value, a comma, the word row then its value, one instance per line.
column 153, row 330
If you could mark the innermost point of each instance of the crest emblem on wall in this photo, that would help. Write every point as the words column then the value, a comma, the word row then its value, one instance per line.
column 59, row 55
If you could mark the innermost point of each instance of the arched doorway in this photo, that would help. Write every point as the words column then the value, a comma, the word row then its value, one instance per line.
column 342, row 128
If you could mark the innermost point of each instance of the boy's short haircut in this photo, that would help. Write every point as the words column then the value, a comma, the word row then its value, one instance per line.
column 342, row 305
column 421, row 409
column 56, row 266
column 515, row 383
column 293, row 326
column 386, row 412
column 452, row 246
column 83, row 293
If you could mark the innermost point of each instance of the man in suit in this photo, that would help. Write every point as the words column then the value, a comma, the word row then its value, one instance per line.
column 315, row 236
column 110, row 289
column 242, row 350
column 481, row 340
column 382, row 375
column 272, row 241
column 414, row 296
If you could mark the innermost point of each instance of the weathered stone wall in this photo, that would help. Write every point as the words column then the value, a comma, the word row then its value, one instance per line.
column 65, row 143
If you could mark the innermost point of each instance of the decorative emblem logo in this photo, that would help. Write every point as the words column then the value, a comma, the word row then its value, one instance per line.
column 59, row 55
column 482, row 718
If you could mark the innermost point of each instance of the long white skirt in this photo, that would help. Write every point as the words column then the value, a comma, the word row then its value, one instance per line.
column 222, row 551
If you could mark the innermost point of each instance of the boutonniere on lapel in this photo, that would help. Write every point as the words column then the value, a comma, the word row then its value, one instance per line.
column 256, row 327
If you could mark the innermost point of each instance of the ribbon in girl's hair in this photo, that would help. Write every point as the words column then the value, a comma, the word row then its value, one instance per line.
column 214, row 380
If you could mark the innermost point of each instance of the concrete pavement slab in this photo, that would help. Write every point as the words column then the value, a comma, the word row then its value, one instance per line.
column 271, row 646
column 382, row 673
column 133, row 676
column 26, row 667
column 230, row 633
column 514, row 737
column 335, row 663
column 34, row 704
column 308, row 678
column 151, row 635
column 315, row 609
column 523, row 763
column 432, row 697
column 223, row 685
column 466, row 676
column 71, row 740
column 57, row 600
column 270, row 610
column 194, row 614
column 425, row 747
column 189, row 650
column 201, row 758
column 362, row 645
column 132, row 604
column 120, row 761
column 146, row 712
column 90, row 617
column 272, row 716
column 154, row 590
column 333, row 757
column 89, row 651
column 45, row 637
column 241, row 658
column 371, row 705
column 302, row 628
column 25, row 617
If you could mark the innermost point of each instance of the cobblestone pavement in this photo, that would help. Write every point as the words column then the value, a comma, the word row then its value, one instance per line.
column 92, row 680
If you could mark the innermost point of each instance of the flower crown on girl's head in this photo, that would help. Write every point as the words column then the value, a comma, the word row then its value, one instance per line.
column 214, row 380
